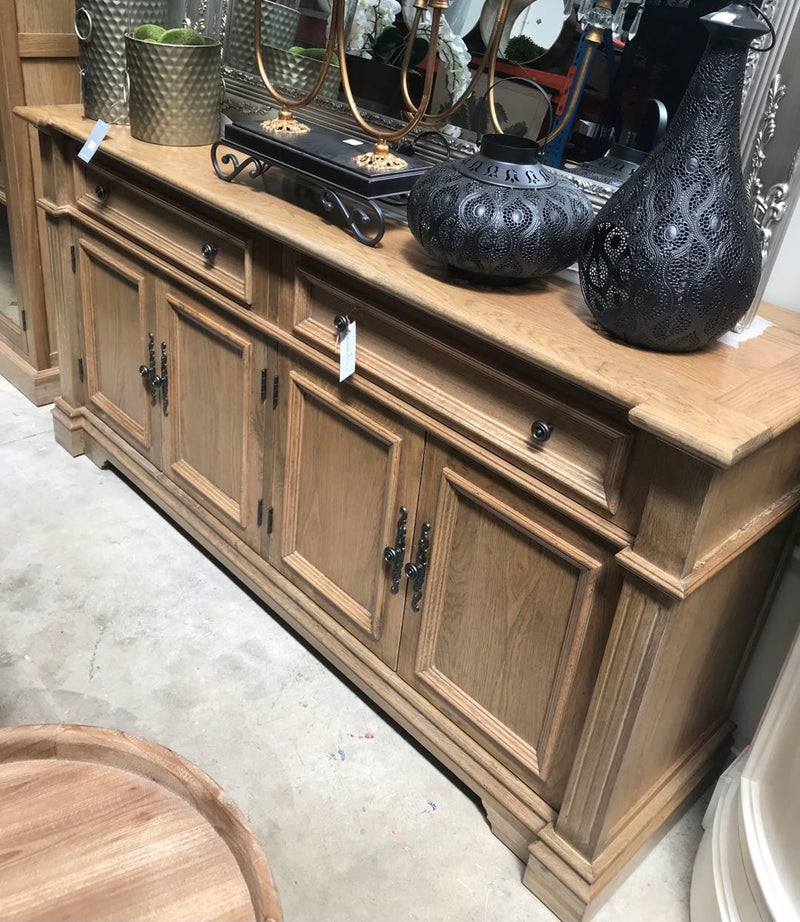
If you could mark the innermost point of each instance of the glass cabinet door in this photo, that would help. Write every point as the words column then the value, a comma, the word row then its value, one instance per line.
column 12, row 326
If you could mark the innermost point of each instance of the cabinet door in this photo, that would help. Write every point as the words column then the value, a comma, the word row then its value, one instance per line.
column 12, row 327
column 515, row 612
column 348, row 468
column 212, row 408
column 117, row 295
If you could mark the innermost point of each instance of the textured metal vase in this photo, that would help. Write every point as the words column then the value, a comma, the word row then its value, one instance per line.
column 101, row 26
column 175, row 92
column 674, row 258
column 499, row 213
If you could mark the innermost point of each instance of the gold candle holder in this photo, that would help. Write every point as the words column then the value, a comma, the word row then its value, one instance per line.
column 380, row 158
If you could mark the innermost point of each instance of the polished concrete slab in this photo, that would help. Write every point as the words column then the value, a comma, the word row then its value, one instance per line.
column 110, row 616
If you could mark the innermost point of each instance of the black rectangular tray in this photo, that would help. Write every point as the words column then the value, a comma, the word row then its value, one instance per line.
column 326, row 155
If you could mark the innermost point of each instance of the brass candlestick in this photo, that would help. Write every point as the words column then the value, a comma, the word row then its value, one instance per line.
column 286, row 122
column 380, row 157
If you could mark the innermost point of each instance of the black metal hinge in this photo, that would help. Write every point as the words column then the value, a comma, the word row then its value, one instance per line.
column 80, row 369
column 24, row 320
column 264, row 384
column 260, row 513
column 72, row 257
column 269, row 520
column 275, row 385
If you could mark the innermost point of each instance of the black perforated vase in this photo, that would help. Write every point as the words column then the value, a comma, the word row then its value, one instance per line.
column 499, row 214
column 674, row 258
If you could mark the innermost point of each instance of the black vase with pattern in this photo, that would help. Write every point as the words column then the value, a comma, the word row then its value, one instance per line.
column 499, row 214
column 674, row 257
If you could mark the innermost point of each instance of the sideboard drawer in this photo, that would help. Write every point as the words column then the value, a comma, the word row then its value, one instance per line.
column 217, row 257
column 584, row 452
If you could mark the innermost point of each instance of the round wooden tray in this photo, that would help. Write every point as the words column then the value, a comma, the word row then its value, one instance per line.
column 98, row 824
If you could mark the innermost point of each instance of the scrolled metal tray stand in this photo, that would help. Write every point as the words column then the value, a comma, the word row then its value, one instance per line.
column 364, row 216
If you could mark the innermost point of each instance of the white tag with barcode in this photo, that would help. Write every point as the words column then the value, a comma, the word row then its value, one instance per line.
column 347, row 351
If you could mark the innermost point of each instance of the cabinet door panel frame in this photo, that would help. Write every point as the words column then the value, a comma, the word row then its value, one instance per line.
column 489, row 729
column 374, row 619
column 142, row 433
column 238, row 511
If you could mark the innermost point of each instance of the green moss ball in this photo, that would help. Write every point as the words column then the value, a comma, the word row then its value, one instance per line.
column 148, row 32
column 182, row 37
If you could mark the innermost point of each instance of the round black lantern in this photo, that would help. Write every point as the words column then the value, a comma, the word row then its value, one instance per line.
column 500, row 214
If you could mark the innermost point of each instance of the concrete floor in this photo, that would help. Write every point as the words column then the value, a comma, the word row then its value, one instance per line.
column 111, row 616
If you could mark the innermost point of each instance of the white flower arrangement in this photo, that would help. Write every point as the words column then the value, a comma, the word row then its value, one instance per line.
column 372, row 17
column 454, row 56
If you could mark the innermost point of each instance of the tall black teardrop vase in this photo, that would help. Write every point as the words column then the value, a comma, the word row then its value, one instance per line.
column 674, row 257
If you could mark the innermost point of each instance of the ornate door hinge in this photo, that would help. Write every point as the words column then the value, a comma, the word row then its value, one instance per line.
column 72, row 260
column 417, row 571
column 263, row 383
column 260, row 513
column 394, row 555
column 80, row 370
column 164, row 380
column 275, row 388
column 148, row 371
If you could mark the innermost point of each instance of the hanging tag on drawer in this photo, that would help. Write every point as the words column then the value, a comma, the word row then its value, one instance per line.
column 347, row 351
column 98, row 132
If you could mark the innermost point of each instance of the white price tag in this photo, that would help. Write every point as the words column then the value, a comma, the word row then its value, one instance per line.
column 347, row 351
column 98, row 132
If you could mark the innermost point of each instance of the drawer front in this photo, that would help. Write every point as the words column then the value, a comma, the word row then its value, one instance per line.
column 584, row 453
column 214, row 256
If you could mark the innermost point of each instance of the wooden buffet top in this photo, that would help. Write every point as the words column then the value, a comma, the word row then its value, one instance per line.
column 719, row 404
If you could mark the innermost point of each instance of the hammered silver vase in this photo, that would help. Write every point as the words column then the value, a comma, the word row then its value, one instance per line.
column 175, row 92
column 101, row 26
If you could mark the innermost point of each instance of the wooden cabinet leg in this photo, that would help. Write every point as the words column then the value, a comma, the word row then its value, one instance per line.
column 556, row 884
column 513, row 833
column 68, row 428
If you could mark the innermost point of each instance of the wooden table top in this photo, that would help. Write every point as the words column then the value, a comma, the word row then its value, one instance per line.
column 719, row 404
column 98, row 824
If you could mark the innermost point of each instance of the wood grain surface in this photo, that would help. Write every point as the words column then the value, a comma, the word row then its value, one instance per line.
column 702, row 402
column 98, row 824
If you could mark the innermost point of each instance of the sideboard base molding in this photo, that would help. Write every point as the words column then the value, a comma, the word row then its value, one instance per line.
column 39, row 386
column 564, row 887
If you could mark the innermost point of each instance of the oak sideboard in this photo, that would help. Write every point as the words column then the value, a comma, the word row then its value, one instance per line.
column 545, row 554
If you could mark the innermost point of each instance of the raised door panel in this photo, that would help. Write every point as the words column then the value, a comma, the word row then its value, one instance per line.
column 349, row 467
column 117, row 295
column 213, row 408
column 515, row 611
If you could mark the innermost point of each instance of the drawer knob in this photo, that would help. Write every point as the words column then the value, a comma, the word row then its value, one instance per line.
column 341, row 322
column 541, row 431
column 101, row 192
column 209, row 251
